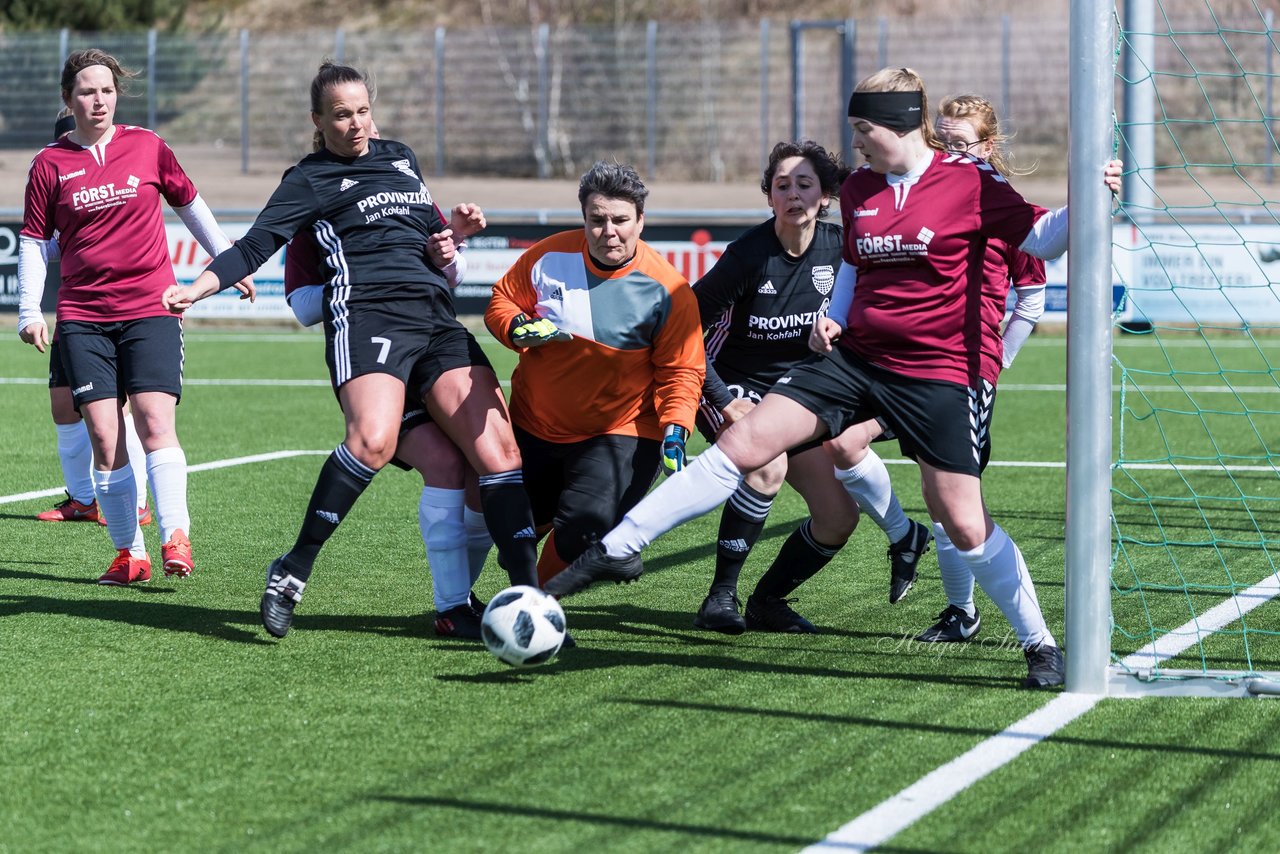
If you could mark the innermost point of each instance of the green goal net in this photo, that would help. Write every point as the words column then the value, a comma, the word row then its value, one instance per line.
column 1195, row 486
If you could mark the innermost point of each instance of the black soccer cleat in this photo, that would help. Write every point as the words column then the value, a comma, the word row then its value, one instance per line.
column 772, row 614
column 278, row 601
column 719, row 613
column 591, row 566
column 460, row 621
column 1045, row 668
column 904, row 560
column 953, row 626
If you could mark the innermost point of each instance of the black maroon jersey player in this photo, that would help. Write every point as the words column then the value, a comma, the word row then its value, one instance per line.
column 918, row 304
column 758, row 304
column 358, row 209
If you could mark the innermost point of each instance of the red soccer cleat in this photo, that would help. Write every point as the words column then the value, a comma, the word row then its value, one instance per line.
column 177, row 555
column 126, row 569
column 71, row 511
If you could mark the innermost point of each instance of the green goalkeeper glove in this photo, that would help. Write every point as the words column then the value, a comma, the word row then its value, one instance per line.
column 526, row 331
column 673, row 456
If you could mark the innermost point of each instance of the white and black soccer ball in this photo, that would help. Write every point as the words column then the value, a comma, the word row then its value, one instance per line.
column 523, row 626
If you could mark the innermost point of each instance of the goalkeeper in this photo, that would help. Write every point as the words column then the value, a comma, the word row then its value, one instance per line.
column 611, row 365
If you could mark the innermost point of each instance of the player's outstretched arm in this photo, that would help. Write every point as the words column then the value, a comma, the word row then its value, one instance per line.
column 179, row 298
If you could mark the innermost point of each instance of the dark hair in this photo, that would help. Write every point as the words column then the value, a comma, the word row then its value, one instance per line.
column 332, row 74
column 82, row 59
column 613, row 181
column 830, row 170
column 64, row 124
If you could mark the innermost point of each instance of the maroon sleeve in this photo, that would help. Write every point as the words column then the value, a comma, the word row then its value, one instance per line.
column 38, row 201
column 175, row 186
column 301, row 263
column 1025, row 270
column 1002, row 212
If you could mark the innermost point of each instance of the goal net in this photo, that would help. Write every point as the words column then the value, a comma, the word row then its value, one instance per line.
column 1195, row 496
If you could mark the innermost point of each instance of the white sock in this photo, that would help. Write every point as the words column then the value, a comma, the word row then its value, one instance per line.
column 957, row 580
column 167, row 470
column 137, row 459
column 868, row 483
column 440, row 514
column 702, row 486
column 478, row 542
column 117, row 494
column 75, row 455
column 999, row 569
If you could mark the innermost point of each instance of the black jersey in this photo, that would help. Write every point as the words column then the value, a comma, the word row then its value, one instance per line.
column 758, row 303
column 370, row 216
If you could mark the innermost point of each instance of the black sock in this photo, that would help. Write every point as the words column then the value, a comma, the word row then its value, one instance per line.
column 342, row 480
column 510, row 521
column 799, row 560
column 741, row 522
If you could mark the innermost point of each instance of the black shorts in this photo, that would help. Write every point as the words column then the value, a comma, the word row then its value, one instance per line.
column 415, row 411
column 708, row 419
column 944, row 424
column 113, row 360
column 415, row 339
column 585, row 488
column 57, row 374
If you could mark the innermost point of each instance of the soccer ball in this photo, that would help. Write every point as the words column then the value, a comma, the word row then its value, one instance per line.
column 523, row 626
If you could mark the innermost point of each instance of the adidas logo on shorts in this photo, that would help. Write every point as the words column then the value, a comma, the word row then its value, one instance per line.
column 524, row 534
column 346, row 184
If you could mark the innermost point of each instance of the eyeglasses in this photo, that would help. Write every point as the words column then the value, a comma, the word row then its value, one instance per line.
column 956, row 146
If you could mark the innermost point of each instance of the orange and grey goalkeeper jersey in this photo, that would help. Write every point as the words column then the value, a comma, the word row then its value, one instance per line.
column 636, row 361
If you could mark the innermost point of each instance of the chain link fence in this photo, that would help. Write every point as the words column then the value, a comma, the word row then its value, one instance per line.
column 683, row 101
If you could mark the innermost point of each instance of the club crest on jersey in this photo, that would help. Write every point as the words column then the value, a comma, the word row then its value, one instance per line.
column 824, row 278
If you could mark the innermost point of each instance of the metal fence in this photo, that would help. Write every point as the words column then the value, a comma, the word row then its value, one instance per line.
column 700, row 101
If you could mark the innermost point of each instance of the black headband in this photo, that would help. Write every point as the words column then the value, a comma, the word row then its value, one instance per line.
column 62, row 126
column 900, row 111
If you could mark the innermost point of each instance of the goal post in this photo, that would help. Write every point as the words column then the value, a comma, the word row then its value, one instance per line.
column 1088, row 446
column 1173, row 419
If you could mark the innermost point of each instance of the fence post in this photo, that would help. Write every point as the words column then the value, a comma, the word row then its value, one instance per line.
column 651, row 98
column 1269, row 18
column 152, row 83
column 1139, row 96
column 1006, row 73
column 542, row 146
column 64, row 45
column 848, row 60
column 439, row 100
column 764, row 93
column 340, row 45
column 883, row 43
column 797, row 81
column 244, row 102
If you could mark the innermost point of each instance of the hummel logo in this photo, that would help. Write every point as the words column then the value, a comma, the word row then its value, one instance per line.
column 329, row 516
column 83, row 389
column 767, row 288
column 738, row 545
column 524, row 534
column 346, row 184
column 785, row 380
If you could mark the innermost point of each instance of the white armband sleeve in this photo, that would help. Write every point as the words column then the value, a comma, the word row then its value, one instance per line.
column 203, row 227
column 1026, row 314
column 456, row 272
column 842, row 294
column 1048, row 237
column 307, row 303
column 33, row 266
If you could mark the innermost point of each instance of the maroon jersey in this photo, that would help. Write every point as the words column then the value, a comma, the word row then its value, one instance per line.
column 104, row 204
column 919, row 251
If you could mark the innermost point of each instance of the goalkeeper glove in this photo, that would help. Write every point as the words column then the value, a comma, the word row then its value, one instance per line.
column 526, row 331
column 673, row 457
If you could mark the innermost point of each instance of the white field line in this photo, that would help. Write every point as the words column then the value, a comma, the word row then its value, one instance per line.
column 216, row 464
column 890, row 817
column 229, row 383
